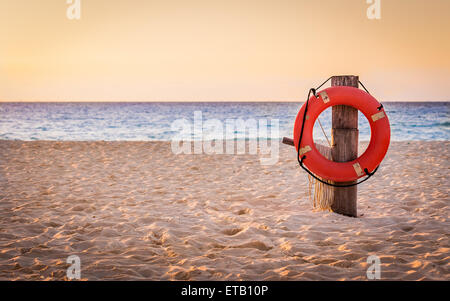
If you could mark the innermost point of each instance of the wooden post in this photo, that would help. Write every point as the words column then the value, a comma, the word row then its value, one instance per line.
column 344, row 146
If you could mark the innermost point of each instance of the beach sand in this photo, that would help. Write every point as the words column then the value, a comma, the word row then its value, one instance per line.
column 135, row 211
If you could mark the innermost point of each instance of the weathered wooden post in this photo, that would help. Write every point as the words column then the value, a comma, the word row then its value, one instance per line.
column 344, row 147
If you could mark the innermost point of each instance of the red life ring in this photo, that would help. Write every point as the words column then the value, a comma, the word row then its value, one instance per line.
column 379, row 140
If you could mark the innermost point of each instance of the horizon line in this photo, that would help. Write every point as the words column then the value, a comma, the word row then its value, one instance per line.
column 187, row 101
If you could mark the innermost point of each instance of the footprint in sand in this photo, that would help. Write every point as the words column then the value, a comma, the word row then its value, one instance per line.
column 243, row 211
column 256, row 245
column 232, row 231
column 407, row 228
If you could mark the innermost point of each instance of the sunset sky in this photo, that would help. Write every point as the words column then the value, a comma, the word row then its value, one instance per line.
column 143, row 50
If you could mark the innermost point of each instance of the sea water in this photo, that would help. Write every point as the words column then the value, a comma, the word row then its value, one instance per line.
column 147, row 121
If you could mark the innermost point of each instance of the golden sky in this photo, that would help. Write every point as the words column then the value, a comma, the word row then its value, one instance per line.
column 188, row 50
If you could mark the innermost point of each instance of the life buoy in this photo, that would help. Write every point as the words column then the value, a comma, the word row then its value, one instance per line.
column 379, row 140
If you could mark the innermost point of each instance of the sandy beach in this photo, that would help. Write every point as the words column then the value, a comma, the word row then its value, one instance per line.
column 135, row 211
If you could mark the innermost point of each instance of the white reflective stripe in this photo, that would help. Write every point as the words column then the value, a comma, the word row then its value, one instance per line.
column 305, row 149
column 358, row 169
column 324, row 96
column 378, row 116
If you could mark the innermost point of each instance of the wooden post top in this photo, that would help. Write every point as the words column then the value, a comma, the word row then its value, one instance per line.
column 345, row 117
column 345, row 80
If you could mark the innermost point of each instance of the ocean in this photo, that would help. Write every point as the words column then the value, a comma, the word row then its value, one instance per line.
column 424, row 121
